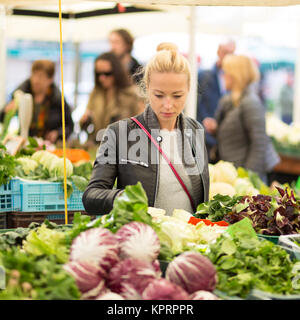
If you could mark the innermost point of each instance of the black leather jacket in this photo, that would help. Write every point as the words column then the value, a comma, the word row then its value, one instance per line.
column 119, row 144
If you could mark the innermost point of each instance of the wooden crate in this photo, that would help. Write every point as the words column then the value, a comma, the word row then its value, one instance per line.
column 23, row 219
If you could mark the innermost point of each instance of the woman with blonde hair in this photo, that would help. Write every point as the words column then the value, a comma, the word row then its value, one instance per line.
column 161, row 147
column 239, row 123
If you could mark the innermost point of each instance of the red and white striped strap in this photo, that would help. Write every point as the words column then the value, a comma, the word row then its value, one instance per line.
column 167, row 159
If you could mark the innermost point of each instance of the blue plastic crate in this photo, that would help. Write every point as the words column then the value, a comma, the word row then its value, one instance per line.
column 10, row 196
column 48, row 196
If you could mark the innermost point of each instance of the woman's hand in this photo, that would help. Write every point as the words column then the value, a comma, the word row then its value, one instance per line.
column 85, row 117
column 52, row 136
column 210, row 125
column 10, row 106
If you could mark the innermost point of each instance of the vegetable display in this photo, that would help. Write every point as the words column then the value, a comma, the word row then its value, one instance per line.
column 137, row 252
column 138, row 240
column 45, row 241
column 97, row 245
column 130, row 277
column 162, row 289
column 35, row 277
column 203, row 295
column 44, row 165
column 131, row 205
column 243, row 263
column 216, row 208
column 193, row 272
column 225, row 179
column 89, row 277
column 269, row 215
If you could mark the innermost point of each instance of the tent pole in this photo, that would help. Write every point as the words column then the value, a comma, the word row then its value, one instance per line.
column 77, row 72
column 2, row 56
column 191, row 108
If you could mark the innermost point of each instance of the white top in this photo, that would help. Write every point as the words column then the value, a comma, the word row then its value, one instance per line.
column 170, row 194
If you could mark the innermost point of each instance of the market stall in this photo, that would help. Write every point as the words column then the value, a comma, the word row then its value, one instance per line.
column 241, row 244
column 219, row 253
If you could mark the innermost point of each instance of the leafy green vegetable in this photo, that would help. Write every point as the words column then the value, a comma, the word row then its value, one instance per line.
column 45, row 241
column 176, row 234
column 131, row 205
column 269, row 215
column 80, row 224
column 28, row 165
column 216, row 208
column 29, row 149
column 255, row 180
column 244, row 263
column 35, row 277
column 84, row 169
column 6, row 121
column 79, row 182
column 7, row 166
column 13, row 238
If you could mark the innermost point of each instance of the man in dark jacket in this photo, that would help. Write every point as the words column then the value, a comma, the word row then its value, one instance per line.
column 47, row 115
column 211, row 89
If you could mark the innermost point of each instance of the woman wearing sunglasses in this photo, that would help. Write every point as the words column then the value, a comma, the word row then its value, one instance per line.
column 114, row 97
column 161, row 147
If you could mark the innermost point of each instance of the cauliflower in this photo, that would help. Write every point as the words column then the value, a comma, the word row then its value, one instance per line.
column 243, row 187
column 53, row 163
column 156, row 212
column 27, row 164
column 182, row 215
column 222, row 188
column 281, row 131
column 56, row 168
column 294, row 135
column 223, row 171
column 211, row 168
column 277, row 128
column 44, row 157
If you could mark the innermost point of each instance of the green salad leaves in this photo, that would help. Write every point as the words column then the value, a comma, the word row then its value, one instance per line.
column 245, row 263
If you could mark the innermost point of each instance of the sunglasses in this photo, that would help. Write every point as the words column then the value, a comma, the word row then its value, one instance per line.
column 106, row 74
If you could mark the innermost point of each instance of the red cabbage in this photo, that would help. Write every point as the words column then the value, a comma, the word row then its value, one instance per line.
column 162, row 289
column 130, row 277
column 109, row 295
column 98, row 245
column 203, row 295
column 88, row 276
column 138, row 240
column 156, row 266
column 192, row 271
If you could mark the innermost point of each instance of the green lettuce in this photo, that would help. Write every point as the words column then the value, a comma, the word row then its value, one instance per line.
column 131, row 205
column 45, row 241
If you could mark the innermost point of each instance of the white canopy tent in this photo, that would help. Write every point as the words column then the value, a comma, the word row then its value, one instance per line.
column 176, row 16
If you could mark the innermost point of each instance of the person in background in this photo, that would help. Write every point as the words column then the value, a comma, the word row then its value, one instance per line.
column 114, row 97
column 239, row 123
column 47, row 114
column 210, row 89
column 121, row 44
column 127, row 155
column 286, row 99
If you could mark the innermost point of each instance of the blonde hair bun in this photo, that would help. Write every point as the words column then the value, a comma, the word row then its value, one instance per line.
column 167, row 46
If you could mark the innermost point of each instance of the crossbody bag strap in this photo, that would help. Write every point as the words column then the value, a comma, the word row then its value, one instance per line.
column 167, row 160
